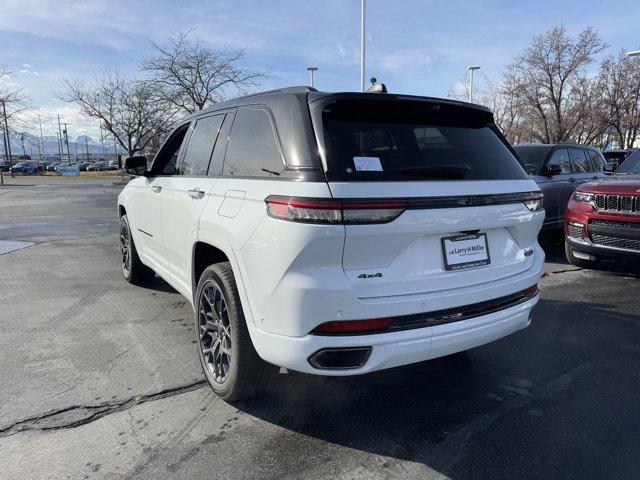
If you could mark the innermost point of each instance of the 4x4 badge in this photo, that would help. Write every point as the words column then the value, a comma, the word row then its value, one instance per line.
column 370, row 275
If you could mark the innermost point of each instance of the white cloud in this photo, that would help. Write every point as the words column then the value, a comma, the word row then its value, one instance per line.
column 459, row 89
column 400, row 61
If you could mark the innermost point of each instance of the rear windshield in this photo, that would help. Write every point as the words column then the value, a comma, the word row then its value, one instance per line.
column 631, row 165
column 377, row 140
column 531, row 158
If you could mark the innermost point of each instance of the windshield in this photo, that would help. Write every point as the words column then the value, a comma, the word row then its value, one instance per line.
column 631, row 165
column 531, row 158
column 382, row 140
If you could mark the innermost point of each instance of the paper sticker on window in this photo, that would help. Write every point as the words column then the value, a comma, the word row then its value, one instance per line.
column 367, row 164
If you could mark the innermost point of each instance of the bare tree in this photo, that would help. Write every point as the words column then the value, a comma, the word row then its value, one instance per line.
column 619, row 81
column 17, row 101
column 548, row 80
column 128, row 109
column 193, row 76
column 507, row 109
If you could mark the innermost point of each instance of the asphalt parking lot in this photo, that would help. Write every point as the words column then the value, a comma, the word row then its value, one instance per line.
column 100, row 379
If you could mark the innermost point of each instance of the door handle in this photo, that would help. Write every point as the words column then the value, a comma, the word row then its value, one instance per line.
column 572, row 180
column 157, row 188
column 195, row 193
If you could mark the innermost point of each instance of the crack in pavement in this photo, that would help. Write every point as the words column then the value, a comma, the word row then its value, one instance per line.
column 78, row 415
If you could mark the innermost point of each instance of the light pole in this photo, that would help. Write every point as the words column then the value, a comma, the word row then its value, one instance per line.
column 59, row 139
column 7, row 144
column 41, row 137
column 66, row 141
column 363, row 11
column 311, row 70
column 104, row 151
column 471, row 69
column 634, row 53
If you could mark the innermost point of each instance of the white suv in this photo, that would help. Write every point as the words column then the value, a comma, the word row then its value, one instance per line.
column 336, row 233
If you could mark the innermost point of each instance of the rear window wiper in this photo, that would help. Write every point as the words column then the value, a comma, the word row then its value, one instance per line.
column 436, row 171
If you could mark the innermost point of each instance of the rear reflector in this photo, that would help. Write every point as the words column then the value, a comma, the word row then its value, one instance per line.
column 332, row 211
column 352, row 326
column 340, row 358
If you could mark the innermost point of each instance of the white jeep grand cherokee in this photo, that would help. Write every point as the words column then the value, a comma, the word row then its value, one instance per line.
column 335, row 233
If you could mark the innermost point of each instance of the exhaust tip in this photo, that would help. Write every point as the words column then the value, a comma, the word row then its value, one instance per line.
column 340, row 358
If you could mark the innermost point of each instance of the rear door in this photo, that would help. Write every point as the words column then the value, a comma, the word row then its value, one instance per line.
column 559, row 187
column 458, row 179
column 583, row 171
column 597, row 163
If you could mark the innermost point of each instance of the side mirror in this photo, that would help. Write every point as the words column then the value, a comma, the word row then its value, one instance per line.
column 136, row 165
column 554, row 169
column 609, row 167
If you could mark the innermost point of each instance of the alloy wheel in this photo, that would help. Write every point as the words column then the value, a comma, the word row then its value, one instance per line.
column 125, row 249
column 214, row 331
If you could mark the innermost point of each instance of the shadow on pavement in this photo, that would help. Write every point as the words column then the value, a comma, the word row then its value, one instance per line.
column 527, row 406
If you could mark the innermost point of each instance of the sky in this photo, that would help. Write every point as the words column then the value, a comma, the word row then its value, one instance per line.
column 416, row 47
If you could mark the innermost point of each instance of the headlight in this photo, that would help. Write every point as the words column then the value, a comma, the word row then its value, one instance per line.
column 583, row 197
column 534, row 202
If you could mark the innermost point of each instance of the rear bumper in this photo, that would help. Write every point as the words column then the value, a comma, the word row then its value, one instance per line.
column 395, row 348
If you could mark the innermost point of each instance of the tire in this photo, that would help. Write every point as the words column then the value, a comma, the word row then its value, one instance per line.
column 229, row 361
column 578, row 262
column 134, row 271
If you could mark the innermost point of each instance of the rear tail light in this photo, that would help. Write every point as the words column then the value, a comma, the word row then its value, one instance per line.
column 332, row 211
column 534, row 202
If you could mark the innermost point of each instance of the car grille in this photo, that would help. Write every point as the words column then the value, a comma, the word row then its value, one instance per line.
column 618, row 203
column 622, row 239
column 575, row 231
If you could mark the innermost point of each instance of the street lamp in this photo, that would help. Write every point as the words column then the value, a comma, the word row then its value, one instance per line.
column 471, row 69
column 311, row 70
column 363, row 8
column 634, row 53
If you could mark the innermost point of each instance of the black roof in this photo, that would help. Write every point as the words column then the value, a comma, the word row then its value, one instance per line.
column 272, row 97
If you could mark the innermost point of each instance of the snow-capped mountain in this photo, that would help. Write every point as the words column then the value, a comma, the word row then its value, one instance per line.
column 81, row 144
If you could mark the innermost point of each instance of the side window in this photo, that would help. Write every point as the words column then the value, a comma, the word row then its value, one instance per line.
column 560, row 157
column 579, row 160
column 200, row 147
column 166, row 161
column 217, row 159
column 252, row 150
column 597, row 160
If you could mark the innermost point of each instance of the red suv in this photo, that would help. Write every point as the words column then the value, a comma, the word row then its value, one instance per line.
column 602, row 219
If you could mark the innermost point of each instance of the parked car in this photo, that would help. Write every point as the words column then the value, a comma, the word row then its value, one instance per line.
column 4, row 166
column 558, row 169
column 113, row 165
column 603, row 218
column 24, row 168
column 615, row 158
column 84, row 165
column 335, row 233
column 52, row 166
column 97, row 167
